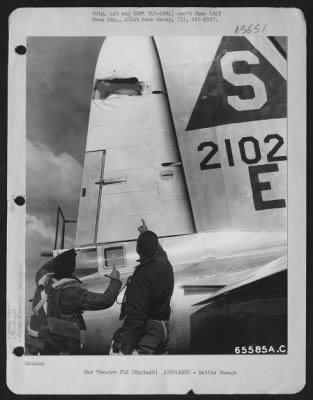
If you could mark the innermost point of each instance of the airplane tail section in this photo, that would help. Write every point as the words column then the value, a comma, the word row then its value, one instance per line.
column 132, row 166
column 228, row 101
column 189, row 133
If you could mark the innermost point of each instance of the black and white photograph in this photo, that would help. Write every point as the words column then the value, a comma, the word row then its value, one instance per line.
column 156, row 220
column 184, row 138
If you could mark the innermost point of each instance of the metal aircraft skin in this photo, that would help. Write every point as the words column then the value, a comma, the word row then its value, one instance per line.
column 188, row 133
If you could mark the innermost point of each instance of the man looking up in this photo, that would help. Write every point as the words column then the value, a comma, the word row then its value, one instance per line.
column 146, row 309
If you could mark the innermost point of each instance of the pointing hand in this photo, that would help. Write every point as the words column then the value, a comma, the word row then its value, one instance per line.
column 115, row 274
column 143, row 227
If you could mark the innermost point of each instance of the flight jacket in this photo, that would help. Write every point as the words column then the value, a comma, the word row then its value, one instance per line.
column 72, row 299
column 147, row 296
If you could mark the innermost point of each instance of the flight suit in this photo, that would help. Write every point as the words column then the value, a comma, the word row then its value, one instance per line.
column 66, row 302
column 146, row 308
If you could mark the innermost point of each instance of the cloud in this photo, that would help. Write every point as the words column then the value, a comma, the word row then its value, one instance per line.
column 60, row 74
column 51, row 180
column 39, row 238
column 34, row 224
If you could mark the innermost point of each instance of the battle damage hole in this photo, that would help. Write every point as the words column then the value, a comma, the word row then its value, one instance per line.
column 122, row 86
column 18, row 351
column 21, row 50
column 19, row 200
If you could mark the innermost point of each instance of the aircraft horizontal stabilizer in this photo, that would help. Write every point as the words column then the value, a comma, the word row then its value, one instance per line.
column 266, row 271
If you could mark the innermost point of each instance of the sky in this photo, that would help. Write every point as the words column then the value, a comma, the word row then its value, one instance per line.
column 60, row 73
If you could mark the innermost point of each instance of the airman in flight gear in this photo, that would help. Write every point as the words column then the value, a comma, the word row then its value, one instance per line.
column 146, row 309
column 57, row 325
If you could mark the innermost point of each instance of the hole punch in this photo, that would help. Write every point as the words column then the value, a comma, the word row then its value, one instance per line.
column 21, row 50
column 19, row 200
column 19, row 351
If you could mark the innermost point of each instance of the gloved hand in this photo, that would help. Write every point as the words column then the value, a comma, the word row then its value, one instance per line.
column 115, row 274
column 115, row 350
column 142, row 228
column 116, row 347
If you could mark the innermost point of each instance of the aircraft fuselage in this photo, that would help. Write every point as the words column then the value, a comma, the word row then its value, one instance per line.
column 202, row 263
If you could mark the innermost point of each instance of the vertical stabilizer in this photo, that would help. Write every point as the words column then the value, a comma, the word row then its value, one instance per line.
column 229, row 106
column 132, row 167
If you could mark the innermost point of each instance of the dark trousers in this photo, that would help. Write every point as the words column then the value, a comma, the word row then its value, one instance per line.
column 155, row 339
